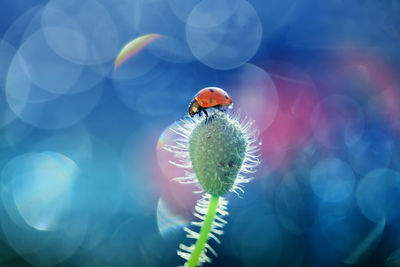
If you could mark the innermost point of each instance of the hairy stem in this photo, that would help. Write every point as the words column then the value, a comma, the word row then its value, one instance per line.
column 205, row 231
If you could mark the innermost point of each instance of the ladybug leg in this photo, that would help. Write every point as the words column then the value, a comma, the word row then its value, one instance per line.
column 205, row 112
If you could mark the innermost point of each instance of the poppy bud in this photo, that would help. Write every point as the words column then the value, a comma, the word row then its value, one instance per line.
column 217, row 149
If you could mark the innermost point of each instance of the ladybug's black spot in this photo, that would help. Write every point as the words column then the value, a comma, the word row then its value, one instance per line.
column 226, row 96
column 210, row 100
column 230, row 163
column 211, row 90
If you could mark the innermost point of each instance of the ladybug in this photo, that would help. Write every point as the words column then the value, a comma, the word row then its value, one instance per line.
column 209, row 97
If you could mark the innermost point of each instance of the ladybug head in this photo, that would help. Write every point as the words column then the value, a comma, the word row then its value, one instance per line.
column 194, row 108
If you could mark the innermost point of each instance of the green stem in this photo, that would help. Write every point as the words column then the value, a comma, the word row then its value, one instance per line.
column 205, row 231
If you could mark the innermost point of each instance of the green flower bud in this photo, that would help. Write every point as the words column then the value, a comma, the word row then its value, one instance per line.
column 217, row 156
column 217, row 150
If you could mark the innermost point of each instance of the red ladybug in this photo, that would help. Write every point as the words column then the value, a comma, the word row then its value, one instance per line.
column 209, row 97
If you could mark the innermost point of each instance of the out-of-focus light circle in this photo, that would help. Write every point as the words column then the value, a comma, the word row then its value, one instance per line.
column 41, row 185
column 136, row 18
column 97, row 38
column 337, row 121
column 37, row 192
column 332, row 179
column 255, row 94
column 372, row 151
column 67, row 43
column 19, row 87
column 204, row 14
column 23, row 26
column 7, row 52
column 46, row 248
column 45, row 68
column 172, row 48
column 168, row 221
column 378, row 195
column 64, row 35
column 182, row 9
column 41, row 108
column 52, row 64
column 222, row 34
column 125, row 15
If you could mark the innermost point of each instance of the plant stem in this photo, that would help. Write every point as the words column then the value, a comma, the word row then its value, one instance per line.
column 205, row 231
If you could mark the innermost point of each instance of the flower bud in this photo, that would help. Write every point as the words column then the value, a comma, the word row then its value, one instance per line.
column 217, row 149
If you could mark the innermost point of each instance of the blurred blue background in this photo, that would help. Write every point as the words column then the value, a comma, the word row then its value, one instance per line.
column 84, row 179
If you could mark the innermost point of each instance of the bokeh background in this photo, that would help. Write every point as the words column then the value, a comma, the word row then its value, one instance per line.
column 84, row 179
